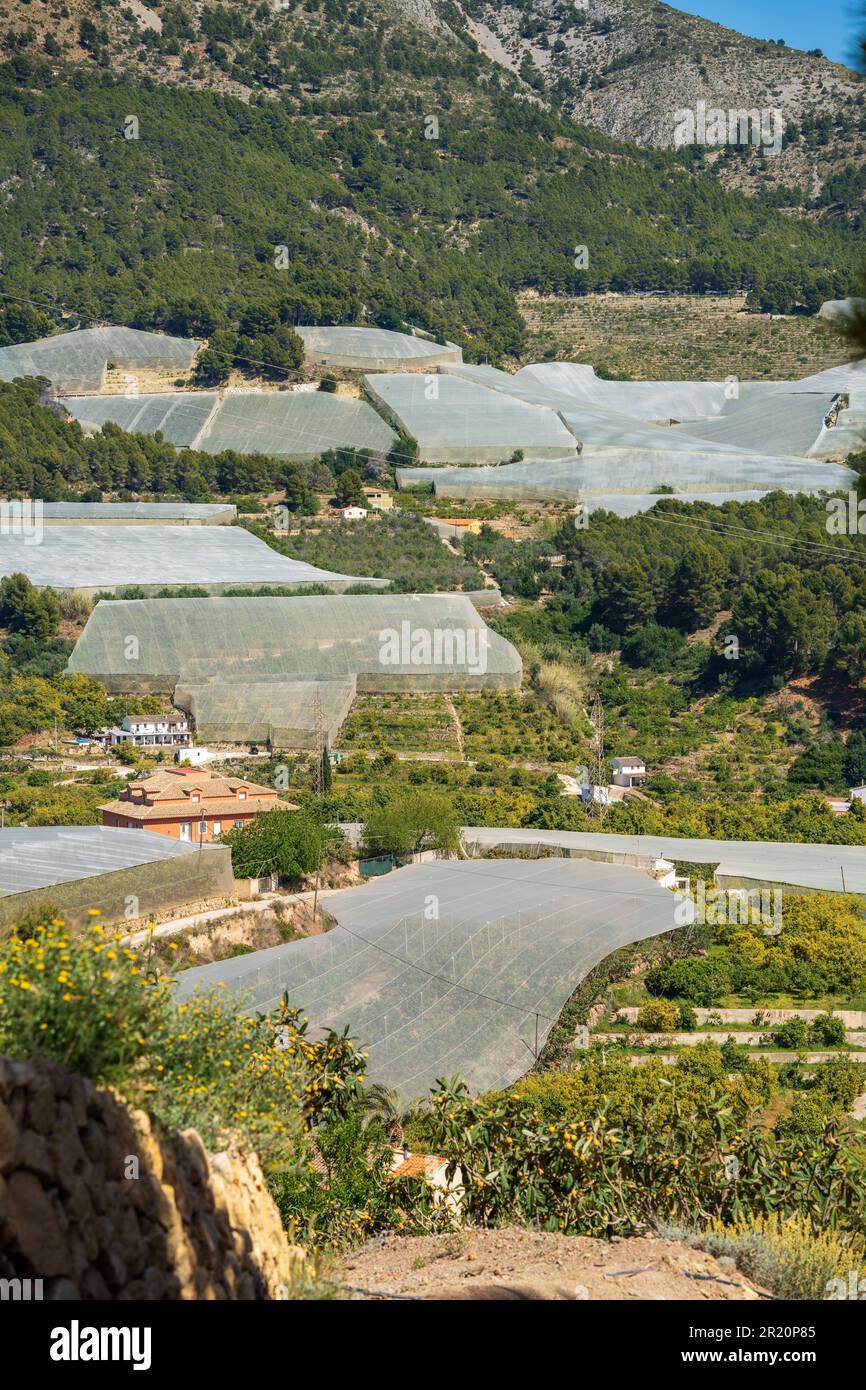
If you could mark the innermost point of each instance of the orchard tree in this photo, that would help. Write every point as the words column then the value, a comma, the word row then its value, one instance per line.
column 287, row 843
column 409, row 821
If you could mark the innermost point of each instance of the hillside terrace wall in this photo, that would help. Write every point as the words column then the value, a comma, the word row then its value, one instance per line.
column 97, row 1201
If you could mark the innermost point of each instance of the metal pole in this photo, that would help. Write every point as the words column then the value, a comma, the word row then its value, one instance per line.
column 842, row 871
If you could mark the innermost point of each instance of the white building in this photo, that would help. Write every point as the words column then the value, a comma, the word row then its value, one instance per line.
column 595, row 795
column 353, row 513
column 628, row 772
column 194, row 756
column 150, row 731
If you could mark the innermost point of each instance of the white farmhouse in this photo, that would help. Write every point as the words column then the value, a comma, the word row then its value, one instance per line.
column 628, row 772
column 150, row 731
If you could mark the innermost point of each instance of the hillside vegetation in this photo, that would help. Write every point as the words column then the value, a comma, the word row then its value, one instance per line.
column 178, row 228
column 691, row 337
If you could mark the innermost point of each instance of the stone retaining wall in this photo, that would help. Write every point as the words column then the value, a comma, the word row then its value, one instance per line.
column 99, row 1202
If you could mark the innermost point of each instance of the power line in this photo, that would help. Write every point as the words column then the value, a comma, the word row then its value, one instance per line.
column 481, row 994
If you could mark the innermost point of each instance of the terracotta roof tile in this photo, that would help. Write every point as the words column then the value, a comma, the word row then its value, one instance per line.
column 417, row 1166
column 228, row 807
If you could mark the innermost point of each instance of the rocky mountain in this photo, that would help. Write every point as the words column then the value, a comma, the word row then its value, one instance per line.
column 627, row 67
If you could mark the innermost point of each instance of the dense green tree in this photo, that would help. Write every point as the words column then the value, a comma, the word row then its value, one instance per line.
column 696, row 588
column 626, row 596
column 287, row 843
column 349, row 491
column 24, row 608
column 300, row 497
column 409, row 821
column 783, row 622
column 854, row 760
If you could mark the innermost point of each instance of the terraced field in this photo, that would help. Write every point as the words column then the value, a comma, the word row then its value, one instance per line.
column 652, row 337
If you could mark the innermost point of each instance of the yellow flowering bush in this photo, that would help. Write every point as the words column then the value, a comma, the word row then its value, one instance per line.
column 95, row 1006
column 81, row 999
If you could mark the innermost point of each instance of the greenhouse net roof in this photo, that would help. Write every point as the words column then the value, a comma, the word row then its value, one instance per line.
column 37, row 857
column 77, row 361
column 367, row 348
column 642, row 400
column 452, row 418
column 296, row 424
column 388, row 641
column 777, row 423
column 112, row 557
column 204, row 512
column 829, row 868
column 179, row 416
column 453, row 967
column 286, row 714
column 632, row 471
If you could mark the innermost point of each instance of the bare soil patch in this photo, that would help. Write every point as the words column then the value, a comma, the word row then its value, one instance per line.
column 512, row 1263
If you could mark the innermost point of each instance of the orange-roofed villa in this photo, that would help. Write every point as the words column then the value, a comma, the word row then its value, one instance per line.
column 190, row 804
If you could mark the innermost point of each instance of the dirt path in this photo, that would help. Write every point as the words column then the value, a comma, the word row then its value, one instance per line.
column 512, row 1263
column 455, row 719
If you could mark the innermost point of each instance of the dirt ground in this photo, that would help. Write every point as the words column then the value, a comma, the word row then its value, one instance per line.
column 518, row 1264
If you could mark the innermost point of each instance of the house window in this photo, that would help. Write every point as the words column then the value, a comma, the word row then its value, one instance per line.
column 239, row 825
column 195, row 797
column 242, row 796
column 202, row 829
column 186, row 830
column 217, row 828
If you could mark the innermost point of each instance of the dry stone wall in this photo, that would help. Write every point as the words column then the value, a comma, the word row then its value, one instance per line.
column 99, row 1202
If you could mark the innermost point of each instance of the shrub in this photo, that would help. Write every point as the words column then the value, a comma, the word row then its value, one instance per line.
column 807, row 1120
column 85, row 1002
column 829, row 1030
column 652, row 1161
column 97, row 1008
column 840, row 1080
column 699, row 981
column 787, row 1256
column 340, row 1194
column 688, row 1021
column 794, row 1032
column 658, row 1016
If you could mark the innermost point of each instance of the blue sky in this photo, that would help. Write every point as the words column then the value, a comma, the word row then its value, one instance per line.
column 833, row 27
